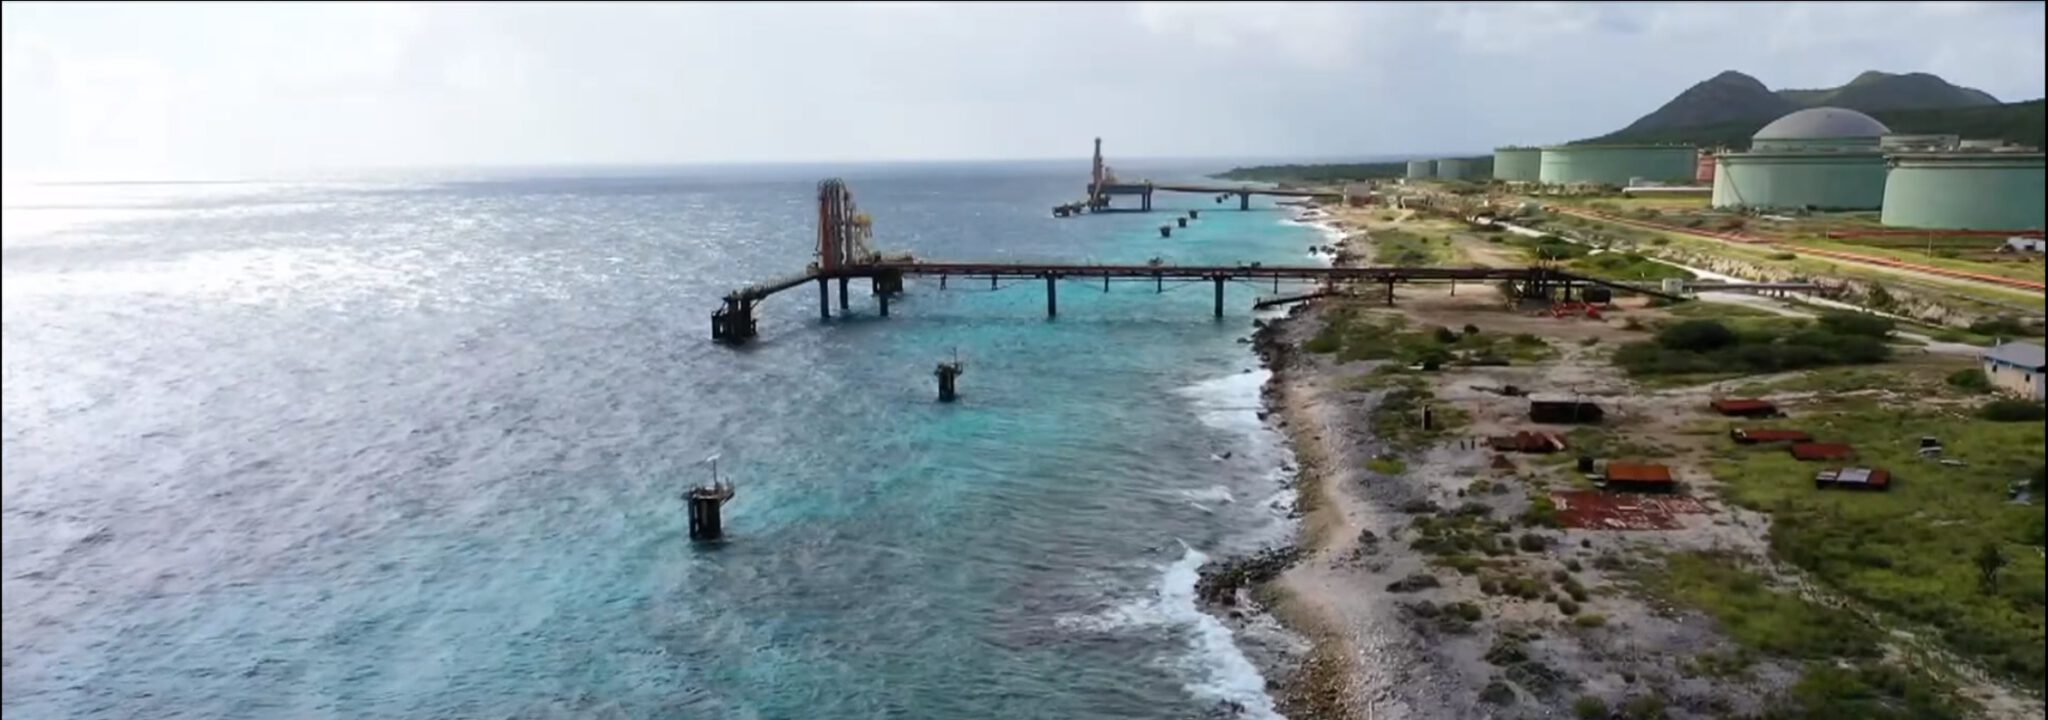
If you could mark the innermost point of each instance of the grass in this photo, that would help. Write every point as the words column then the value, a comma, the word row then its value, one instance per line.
column 1354, row 334
column 1757, row 616
column 1908, row 552
column 1407, row 249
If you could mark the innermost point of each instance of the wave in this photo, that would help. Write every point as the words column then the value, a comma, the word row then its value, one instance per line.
column 1216, row 670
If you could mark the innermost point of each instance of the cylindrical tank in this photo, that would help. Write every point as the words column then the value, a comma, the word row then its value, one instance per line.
column 1418, row 169
column 1517, row 164
column 1966, row 191
column 1898, row 143
column 1453, row 168
column 1615, row 164
column 1816, row 180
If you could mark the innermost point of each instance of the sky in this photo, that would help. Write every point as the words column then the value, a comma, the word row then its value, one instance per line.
column 209, row 90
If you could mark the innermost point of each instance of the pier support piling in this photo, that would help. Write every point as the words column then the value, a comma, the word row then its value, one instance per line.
column 1390, row 291
column 1166, row 231
column 1193, row 214
column 842, row 296
column 1219, row 296
column 1052, row 296
column 884, row 302
column 1159, row 282
column 824, row 299
column 706, row 504
column 947, row 373
column 1244, row 201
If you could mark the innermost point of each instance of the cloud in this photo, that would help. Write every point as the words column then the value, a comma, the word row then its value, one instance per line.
column 232, row 88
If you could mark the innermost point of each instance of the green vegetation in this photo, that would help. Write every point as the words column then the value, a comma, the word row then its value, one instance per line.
column 2021, row 122
column 1588, row 707
column 1356, row 335
column 1387, row 465
column 1626, row 266
column 1970, row 380
column 1911, row 551
column 2009, row 410
column 1758, row 345
column 1757, row 616
column 1397, row 247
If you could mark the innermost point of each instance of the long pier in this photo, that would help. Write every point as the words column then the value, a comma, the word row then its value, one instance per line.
column 845, row 254
column 1103, row 186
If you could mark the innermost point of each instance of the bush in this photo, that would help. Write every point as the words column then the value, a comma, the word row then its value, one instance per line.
column 1971, row 380
column 1783, row 256
column 1590, row 620
column 1471, row 329
column 2013, row 410
column 1588, row 707
column 1696, row 335
column 1568, row 607
column 1414, row 582
column 1532, row 542
column 1324, row 342
column 1849, row 323
column 1999, row 327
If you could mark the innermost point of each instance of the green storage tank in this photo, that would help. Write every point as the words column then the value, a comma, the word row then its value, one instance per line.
column 1453, row 168
column 1966, row 191
column 1840, row 180
column 1617, row 164
column 1419, row 169
column 1517, row 164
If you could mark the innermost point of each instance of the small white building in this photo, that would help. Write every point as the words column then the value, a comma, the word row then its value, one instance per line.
column 2016, row 368
column 2025, row 244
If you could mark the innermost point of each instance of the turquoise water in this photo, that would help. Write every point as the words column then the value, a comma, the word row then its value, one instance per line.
column 412, row 448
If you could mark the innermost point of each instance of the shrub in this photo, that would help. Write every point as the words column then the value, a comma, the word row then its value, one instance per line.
column 1532, row 542
column 1971, row 380
column 1999, row 327
column 1588, row 707
column 1568, row 607
column 1468, row 612
column 1498, row 693
column 1324, row 342
column 1414, row 582
column 1646, row 707
column 1696, row 335
column 1573, row 565
column 2013, row 410
column 1471, row 329
column 1783, row 256
column 1849, row 323
column 1590, row 620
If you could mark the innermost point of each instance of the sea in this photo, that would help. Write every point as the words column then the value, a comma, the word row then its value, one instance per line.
column 412, row 445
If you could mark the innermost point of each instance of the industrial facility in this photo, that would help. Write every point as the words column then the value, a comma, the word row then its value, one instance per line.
column 1816, row 159
column 1981, row 190
column 1453, row 168
column 1421, row 169
column 1517, row 164
column 1616, row 165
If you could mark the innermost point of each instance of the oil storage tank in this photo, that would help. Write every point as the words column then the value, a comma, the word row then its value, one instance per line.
column 1517, row 164
column 1966, row 191
column 1453, row 168
column 1419, row 169
column 1819, row 159
column 1616, row 164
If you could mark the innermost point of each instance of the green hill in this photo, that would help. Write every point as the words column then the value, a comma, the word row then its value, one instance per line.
column 1875, row 91
column 2020, row 122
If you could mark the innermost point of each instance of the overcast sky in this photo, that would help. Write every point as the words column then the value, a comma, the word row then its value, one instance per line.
column 162, row 89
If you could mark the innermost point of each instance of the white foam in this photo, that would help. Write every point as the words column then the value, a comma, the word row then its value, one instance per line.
column 1216, row 671
column 1231, row 403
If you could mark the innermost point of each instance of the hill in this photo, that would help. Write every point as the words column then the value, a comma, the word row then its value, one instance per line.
column 2020, row 122
column 1730, row 97
column 1875, row 91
